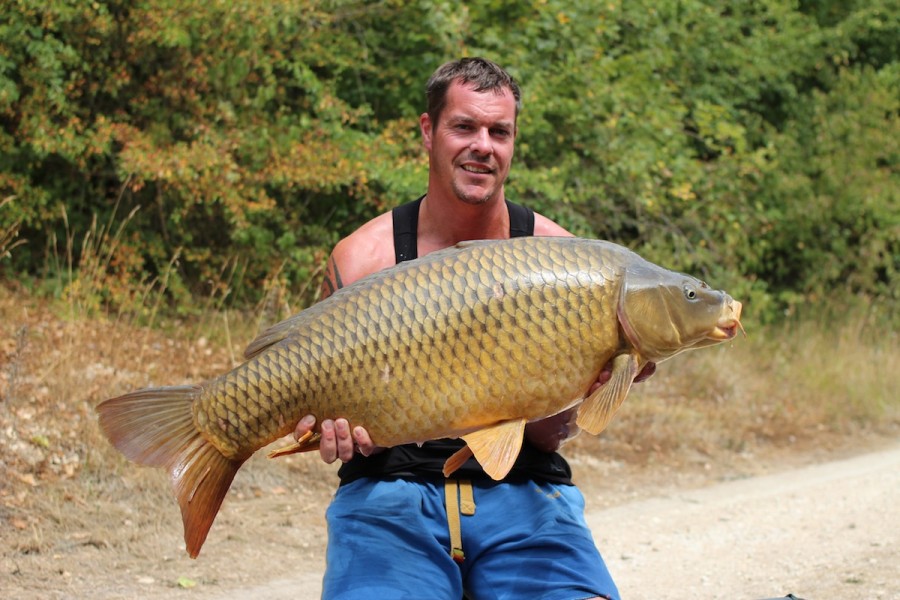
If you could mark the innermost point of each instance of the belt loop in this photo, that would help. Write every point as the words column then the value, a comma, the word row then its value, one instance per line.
column 454, row 490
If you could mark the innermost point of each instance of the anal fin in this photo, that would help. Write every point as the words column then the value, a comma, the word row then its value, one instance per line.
column 598, row 409
column 457, row 460
column 495, row 448
column 308, row 442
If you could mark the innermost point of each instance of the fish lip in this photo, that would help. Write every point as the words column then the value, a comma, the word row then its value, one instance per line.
column 728, row 327
column 725, row 331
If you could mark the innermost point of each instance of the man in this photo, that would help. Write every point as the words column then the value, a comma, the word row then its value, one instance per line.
column 395, row 529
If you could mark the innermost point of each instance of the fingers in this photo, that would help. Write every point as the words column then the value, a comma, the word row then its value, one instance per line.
column 304, row 426
column 337, row 441
column 606, row 374
column 548, row 434
column 648, row 370
column 363, row 442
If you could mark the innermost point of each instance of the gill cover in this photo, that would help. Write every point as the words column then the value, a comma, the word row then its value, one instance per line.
column 663, row 312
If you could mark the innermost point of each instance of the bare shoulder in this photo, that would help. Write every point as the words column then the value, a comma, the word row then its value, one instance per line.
column 367, row 250
column 545, row 227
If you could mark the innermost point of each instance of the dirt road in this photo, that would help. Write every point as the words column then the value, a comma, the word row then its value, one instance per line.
column 824, row 531
column 670, row 531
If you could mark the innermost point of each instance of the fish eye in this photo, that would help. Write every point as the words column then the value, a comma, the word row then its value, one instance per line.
column 690, row 293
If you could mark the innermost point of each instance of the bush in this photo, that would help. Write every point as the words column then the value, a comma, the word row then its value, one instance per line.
column 753, row 144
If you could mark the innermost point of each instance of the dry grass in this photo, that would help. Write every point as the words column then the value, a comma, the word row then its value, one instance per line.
column 60, row 478
column 9, row 233
column 799, row 384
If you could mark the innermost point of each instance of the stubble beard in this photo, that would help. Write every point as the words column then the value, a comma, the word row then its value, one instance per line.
column 475, row 200
column 470, row 198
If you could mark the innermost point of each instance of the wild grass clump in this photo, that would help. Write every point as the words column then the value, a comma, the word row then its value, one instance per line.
column 90, row 331
column 9, row 233
column 97, row 272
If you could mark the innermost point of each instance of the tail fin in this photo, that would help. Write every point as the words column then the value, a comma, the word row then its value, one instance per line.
column 155, row 427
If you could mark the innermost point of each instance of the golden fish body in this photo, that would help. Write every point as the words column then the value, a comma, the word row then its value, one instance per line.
column 455, row 341
column 473, row 341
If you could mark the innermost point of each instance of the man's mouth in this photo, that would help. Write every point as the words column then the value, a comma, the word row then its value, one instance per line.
column 478, row 170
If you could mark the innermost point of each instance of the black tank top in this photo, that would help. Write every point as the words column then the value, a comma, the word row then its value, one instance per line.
column 427, row 461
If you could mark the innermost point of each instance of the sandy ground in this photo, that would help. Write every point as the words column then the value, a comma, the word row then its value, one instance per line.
column 824, row 531
column 819, row 525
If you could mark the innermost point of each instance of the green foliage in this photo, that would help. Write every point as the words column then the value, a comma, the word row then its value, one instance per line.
column 838, row 165
column 751, row 143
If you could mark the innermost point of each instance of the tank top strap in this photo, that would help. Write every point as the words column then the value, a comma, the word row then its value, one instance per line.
column 521, row 220
column 406, row 224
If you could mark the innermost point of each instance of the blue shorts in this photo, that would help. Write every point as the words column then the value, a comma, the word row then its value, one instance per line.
column 390, row 539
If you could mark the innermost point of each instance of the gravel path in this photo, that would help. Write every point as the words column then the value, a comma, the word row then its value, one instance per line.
column 825, row 531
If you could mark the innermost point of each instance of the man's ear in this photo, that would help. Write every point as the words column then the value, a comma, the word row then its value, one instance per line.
column 425, row 127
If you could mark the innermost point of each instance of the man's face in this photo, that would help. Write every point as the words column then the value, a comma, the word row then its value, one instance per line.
column 471, row 147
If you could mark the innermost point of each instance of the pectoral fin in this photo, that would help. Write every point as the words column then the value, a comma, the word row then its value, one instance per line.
column 495, row 448
column 598, row 409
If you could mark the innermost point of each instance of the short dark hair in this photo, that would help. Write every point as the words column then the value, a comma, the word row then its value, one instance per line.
column 482, row 74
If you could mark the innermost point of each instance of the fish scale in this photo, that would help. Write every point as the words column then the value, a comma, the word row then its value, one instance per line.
column 472, row 341
column 512, row 306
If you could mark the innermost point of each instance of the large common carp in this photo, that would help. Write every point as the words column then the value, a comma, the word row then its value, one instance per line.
column 473, row 341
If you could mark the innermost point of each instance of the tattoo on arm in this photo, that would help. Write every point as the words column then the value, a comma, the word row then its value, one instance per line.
column 332, row 281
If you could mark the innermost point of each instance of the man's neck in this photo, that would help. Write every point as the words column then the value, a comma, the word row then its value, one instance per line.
column 444, row 222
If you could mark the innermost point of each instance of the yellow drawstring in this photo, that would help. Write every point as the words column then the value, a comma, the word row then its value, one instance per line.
column 460, row 500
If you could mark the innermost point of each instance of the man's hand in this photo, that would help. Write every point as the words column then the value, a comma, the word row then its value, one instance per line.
column 549, row 434
column 606, row 374
column 337, row 442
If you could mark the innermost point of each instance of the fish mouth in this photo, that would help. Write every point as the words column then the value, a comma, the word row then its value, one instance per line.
column 727, row 331
column 728, row 326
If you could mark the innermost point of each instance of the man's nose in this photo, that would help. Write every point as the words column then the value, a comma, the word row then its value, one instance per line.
column 481, row 143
